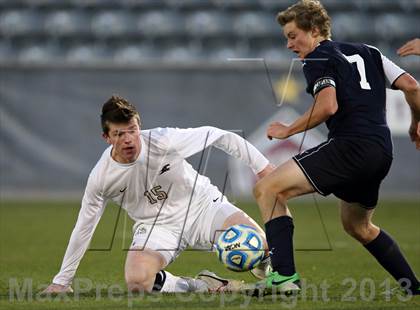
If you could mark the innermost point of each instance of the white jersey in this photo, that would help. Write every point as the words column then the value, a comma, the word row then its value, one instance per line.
column 160, row 187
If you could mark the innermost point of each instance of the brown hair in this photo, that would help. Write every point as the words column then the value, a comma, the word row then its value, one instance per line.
column 117, row 110
column 307, row 14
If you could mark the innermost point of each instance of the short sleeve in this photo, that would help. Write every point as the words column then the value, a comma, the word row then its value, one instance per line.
column 391, row 70
column 319, row 73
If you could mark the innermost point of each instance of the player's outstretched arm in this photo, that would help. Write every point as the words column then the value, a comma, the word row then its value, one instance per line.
column 93, row 205
column 190, row 141
column 325, row 105
column 57, row 288
column 414, row 133
column 411, row 89
column 410, row 48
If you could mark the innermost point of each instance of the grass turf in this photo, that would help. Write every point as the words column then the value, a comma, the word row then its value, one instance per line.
column 338, row 273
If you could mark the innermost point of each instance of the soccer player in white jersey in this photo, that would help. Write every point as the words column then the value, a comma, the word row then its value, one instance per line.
column 173, row 206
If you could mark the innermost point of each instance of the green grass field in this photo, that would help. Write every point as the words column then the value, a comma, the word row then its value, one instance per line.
column 34, row 236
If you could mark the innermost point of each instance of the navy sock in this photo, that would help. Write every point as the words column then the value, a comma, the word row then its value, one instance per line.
column 279, row 232
column 388, row 254
column 159, row 281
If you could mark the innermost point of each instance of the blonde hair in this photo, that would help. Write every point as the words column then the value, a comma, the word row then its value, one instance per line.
column 307, row 14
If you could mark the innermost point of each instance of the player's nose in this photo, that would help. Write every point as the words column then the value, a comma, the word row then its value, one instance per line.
column 126, row 138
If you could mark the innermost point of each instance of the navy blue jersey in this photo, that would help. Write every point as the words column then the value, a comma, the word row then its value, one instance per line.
column 357, row 73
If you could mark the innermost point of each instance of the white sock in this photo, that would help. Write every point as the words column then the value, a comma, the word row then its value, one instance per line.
column 174, row 284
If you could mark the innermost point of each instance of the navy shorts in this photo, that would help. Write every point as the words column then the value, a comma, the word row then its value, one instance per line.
column 350, row 168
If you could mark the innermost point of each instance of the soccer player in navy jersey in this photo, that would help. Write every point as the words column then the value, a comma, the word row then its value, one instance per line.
column 347, row 82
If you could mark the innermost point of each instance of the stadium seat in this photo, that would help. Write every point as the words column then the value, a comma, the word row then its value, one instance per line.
column 67, row 23
column 275, row 54
column 339, row 5
column 143, row 4
column 396, row 26
column 37, row 3
column 160, row 23
column 87, row 54
column 252, row 24
column 95, row 4
column 112, row 23
column 188, row 4
column 135, row 54
column 20, row 23
column 351, row 26
column 410, row 5
column 379, row 5
column 38, row 54
column 182, row 29
column 409, row 62
column 223, row 53
column 181, row 54
column 208, row 23
column 236, row 4
column 276, row 4
column 7, row 3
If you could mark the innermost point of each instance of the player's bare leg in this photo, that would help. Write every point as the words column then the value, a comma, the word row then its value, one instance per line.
column 141, row 267
column 144, row 273
column 273, row 191
column 357, row 222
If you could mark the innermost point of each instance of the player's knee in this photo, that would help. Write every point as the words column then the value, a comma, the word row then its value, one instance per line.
column 262, row 189
column 141, row 281
column 358, row 232
column 259, row 190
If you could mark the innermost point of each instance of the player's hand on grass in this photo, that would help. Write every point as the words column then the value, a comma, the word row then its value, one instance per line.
column 410, row 48
column 57, row 288
column 414, row 133
column 267, row 170
column 278, row 131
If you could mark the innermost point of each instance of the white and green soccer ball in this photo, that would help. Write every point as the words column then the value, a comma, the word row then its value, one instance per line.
column 240, row 248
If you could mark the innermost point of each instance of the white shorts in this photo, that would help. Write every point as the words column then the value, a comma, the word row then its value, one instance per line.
column 171, row 242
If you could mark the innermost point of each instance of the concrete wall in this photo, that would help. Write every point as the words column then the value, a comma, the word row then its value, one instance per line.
column 50, row 133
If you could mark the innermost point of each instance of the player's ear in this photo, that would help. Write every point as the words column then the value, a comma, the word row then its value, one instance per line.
column 106, row 138
column 315, row 32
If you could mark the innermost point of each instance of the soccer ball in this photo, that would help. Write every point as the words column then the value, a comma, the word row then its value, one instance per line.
column 240, row 248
